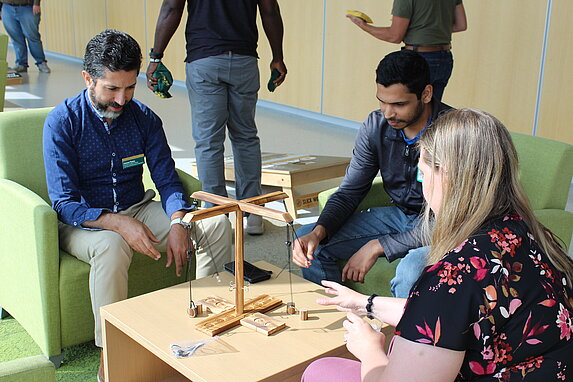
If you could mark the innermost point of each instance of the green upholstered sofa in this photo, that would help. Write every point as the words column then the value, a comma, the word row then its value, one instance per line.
column 41, row 286
column 3, row 68
column 30, row 369
column 546, row 168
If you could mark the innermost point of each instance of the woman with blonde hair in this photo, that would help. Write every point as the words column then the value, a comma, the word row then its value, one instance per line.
column 495, row 301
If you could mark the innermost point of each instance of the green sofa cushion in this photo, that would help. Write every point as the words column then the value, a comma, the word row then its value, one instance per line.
column 30, row 369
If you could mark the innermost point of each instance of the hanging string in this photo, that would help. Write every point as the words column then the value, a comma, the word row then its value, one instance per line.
column 189, row 253
column 288, row 244
column 207, row 247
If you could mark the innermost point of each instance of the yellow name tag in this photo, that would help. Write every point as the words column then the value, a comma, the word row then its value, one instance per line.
column 136, row 160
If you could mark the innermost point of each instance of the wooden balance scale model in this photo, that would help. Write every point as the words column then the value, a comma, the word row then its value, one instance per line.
column 247, row 313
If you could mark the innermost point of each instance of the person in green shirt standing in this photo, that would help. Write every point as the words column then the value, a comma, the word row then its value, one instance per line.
column 425, row 26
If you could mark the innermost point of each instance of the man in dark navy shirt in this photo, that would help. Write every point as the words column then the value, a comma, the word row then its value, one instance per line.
column 95, row 146
column 385, row 144
column 223, row 81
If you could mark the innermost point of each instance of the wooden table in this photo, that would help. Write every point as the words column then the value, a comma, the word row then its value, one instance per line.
column 138, row 333
column 12, row 80
column 301, row 177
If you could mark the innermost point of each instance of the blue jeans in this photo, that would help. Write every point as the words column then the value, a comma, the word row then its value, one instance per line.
column 223, row 94
column 22, row 24
column 355, row 233
column 441, row 65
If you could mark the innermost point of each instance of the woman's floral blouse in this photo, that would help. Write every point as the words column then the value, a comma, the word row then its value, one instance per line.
column 498, row 298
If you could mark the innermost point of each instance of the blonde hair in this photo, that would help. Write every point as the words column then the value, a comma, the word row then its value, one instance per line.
column 479, row 164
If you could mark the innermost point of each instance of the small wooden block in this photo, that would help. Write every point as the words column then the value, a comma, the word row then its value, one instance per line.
column 303, row 314
column 290, row 308
column 262, row 323
column 220, row 322
column 216, row 304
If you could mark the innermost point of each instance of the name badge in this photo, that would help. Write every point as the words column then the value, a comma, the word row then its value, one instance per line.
column 136, row 160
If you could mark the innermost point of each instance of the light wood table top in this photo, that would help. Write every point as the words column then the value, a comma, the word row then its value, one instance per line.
column 138, row 333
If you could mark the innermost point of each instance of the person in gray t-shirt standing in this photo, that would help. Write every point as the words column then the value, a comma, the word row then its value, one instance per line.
column 425, row 26
column 223, row 81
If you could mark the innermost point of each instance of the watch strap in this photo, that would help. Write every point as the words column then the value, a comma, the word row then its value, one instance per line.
column 176, row 221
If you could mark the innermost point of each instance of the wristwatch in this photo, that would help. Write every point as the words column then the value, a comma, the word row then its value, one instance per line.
column 176, row 221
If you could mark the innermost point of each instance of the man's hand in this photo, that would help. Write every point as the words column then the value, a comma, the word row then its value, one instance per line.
column 281, row 67
column 357, row 20
column 151, row 81
column 36, row 9
column 138, row 235
column 361, row 262
column 304, row 247
column 177, row 247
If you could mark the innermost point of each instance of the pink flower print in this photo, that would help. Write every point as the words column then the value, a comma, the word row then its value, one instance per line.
column 564, row 322
column 459, row 247
column 506, row 240
column 487, row 353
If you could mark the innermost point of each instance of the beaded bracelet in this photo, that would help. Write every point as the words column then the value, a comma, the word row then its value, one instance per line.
column 369, row 305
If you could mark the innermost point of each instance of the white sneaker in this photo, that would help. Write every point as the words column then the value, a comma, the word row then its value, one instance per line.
column 43, row 67
column 19, row 68
column 255, row 225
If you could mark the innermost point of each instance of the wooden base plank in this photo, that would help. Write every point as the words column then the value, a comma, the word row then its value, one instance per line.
column 262, row 323
column 229, row 318
column 216, row 304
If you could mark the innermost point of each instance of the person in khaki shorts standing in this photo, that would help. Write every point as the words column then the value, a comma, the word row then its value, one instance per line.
column 95, row 146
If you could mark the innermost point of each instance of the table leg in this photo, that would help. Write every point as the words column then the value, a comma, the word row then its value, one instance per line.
column 290, row 202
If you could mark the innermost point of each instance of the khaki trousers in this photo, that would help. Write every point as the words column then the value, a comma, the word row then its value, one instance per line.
column 109, row 255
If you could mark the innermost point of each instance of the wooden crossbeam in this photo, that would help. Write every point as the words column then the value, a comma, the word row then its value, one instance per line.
column 226, row 205
column 249, row 205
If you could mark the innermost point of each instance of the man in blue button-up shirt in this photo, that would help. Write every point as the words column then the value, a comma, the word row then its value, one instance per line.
column 95, row 145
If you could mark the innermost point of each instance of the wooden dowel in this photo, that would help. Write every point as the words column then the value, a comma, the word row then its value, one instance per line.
column 194, row 216
column 239, row 256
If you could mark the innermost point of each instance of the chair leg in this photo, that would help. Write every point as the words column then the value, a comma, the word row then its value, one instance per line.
column 4, row 313
column 57, row 359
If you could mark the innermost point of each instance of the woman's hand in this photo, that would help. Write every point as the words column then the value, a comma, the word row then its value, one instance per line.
column 346, row 299
column 363, row 341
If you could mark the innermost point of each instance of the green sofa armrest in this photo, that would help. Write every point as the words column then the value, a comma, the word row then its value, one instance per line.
column 190, row 183
column 30, row 369
column 29, row 263
column 559, row 222
column 376, row 197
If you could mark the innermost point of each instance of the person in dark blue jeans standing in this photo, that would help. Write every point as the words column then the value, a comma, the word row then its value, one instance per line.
column 426, row 27
column 21, row 20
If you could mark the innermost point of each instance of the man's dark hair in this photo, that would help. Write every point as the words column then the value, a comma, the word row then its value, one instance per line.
column 112, row 50
column 404, row 67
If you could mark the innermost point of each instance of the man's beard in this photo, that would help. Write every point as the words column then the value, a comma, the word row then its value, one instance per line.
column 102, row 109
column 417, row 114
